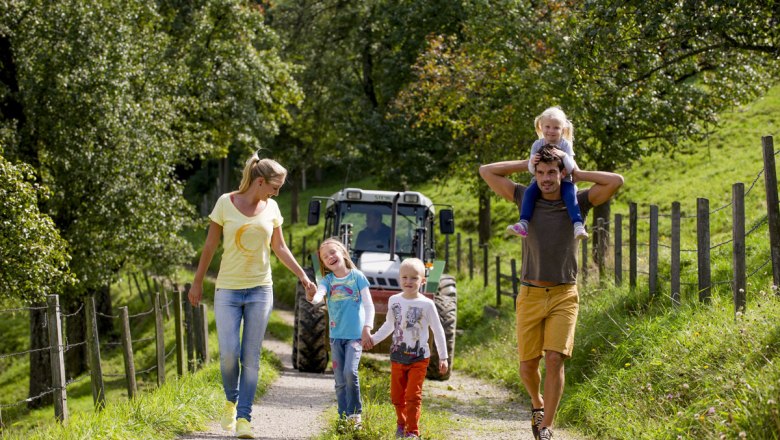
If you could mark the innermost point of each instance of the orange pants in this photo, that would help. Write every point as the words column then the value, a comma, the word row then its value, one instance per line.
column 406, row 382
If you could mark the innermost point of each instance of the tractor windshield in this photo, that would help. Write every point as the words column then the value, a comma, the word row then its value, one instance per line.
column 371, row 226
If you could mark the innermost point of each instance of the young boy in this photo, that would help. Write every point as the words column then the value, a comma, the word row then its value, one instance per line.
column 409, row 316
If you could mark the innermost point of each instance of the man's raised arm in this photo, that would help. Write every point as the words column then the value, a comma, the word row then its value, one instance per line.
column 605, row 184
column 495, row 175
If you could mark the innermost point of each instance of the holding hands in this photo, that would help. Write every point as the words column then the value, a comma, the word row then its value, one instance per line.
column 309, row 286
column 365, row 339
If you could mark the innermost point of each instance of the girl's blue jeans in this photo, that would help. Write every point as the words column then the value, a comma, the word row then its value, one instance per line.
column 239, row 351
column 346, row 358
column 568, row 194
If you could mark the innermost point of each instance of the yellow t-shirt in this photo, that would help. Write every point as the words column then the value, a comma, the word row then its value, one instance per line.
column 246, row 244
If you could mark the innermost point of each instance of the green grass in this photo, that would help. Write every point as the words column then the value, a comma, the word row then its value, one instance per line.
column 183, row 404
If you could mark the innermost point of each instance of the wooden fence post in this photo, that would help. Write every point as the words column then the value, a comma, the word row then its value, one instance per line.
column 703, row 248
column 471, row 258
column 632, row 231
column 93, row 346
column 675, row 267
column 498, row 280
column 458, row 252
column 165, row 307
column 190, row 333
column 179, row 325
column 127, row 351
column 57, row 361
column 485, row 262
column 447, row 252
column 204, row 346
column 618, row 249
column 653, row 252
column 149, row 290
column 515, row 287
column 739, row 287
column 584, row 262
column 773, row 210
column 159, row 333
column 601, row 247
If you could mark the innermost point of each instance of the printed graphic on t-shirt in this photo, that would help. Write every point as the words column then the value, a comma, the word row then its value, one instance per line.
column 408, row 350
column 249, row 240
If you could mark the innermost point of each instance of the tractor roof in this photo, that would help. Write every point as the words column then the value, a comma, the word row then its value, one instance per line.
column 376, row 196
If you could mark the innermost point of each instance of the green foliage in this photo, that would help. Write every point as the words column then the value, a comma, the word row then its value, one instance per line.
column 33, row 255
column 354, row 58
column 115, row 95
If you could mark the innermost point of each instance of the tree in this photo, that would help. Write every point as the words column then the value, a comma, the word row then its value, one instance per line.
column 635, row 77
column 111, row 96
column 355, row 57
column 33, row 255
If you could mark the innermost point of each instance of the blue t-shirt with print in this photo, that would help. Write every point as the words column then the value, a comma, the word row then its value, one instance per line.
column 345, row 304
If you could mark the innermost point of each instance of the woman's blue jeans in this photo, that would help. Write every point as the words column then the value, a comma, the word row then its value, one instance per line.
column 239, row 354
column 346, row 358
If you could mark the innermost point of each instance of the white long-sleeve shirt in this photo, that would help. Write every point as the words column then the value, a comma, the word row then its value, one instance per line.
column 408, row 321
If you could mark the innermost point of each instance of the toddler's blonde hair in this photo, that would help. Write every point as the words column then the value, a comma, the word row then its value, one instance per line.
column 555, row 113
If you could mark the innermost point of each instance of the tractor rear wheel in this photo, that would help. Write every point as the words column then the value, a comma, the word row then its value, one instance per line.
column 446, row 301
column 309, row 338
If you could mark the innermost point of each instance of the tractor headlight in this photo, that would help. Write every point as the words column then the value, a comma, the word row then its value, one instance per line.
column 412, row 198
column 354, row 195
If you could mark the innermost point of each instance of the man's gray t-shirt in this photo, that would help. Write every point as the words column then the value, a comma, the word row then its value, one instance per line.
column 550, row 249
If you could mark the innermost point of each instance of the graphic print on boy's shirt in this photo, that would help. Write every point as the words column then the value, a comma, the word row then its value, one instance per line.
column 411, row 326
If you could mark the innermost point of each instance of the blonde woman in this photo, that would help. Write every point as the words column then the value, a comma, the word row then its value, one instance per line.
column 250, row 222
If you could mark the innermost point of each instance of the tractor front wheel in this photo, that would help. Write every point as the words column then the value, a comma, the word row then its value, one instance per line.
column 446, row 301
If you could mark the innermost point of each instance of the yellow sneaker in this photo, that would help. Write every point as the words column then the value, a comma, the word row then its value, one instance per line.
column 228, row 419
column 244, row 429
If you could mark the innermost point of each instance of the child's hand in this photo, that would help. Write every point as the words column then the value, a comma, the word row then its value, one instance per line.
column 365, row 339
column 535, row 159
column 443, row 367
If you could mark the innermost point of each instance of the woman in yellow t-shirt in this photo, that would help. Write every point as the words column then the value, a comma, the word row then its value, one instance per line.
column 251, row 224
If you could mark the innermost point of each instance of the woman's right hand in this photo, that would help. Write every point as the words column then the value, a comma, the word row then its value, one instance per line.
column 195, row 294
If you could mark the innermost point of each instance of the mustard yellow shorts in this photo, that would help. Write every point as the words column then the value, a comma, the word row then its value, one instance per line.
column 546, row 317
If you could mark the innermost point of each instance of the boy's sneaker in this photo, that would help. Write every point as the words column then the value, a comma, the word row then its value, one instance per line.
column 228, row 419
column 579, row 231
column 244, row 429
column 545, row 434
column 536, row 421
column 399, row 432
column 518, row 229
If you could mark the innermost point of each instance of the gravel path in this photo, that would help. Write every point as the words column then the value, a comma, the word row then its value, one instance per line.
column 482, row 411
column 294, row 406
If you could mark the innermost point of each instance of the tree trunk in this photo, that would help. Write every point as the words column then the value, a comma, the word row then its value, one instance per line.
column 484, row 218
column 294, row 198
column 40, row 365
column 106, row 328
column 598, row 247
column 75, row 332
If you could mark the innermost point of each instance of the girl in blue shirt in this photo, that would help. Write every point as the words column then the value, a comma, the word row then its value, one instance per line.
column 350, row 320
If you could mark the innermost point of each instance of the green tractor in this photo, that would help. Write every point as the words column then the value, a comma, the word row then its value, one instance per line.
column 408, row 219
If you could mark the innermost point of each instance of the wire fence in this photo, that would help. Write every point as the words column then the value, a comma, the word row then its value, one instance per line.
column 611, row 259
column 190, row 344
